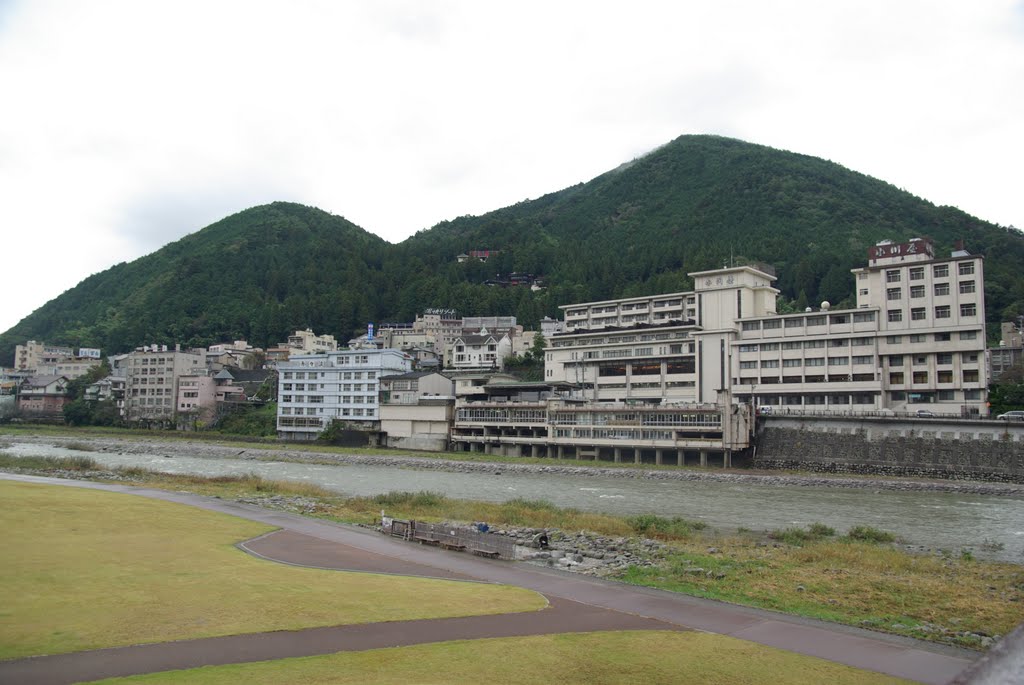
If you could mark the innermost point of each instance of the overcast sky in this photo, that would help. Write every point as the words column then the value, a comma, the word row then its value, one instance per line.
column 126, row 125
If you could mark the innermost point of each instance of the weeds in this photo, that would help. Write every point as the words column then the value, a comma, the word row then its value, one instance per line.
column 654, row 526
column 48, row 463
column 869, row 534
column 799, row 537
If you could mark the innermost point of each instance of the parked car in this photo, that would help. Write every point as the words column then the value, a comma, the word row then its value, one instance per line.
column 925, row 414
column 1012, row 416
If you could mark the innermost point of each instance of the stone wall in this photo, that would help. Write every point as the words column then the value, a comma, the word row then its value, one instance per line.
column 918, row 449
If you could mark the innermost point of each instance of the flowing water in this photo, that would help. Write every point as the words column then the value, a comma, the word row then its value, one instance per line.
column 990, row 526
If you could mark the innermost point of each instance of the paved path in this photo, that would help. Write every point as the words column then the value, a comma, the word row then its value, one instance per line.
column 572, row 596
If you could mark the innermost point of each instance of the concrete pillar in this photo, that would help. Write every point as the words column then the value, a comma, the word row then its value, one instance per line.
column 680, row 457
column 533, row 451
column 618, row 455
column 658, row 456
column 727, row 459
column 560, row 452
column 703, row 457
column 636, row 455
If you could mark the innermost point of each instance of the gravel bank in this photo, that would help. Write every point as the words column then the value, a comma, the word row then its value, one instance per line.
column 207, row 450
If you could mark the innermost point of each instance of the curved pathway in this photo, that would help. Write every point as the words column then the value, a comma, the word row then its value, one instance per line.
column 578, row 603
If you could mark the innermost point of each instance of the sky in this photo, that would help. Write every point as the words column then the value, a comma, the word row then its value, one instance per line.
column 125, row 125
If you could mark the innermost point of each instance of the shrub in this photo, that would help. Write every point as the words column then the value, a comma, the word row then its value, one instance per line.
column 652, row 525
column 869, row 534
column 799, row 536
column 820, row 530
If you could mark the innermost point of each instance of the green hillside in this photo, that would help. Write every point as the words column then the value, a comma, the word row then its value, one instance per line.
column 696, row 203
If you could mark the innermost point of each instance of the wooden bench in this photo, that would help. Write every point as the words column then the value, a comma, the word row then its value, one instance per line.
column 454, row 546
column 426, row 541
column 490, row 554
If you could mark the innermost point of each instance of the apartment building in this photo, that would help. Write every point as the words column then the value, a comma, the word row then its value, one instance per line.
column 314, row 390
column 416, row 410
column 152, row 375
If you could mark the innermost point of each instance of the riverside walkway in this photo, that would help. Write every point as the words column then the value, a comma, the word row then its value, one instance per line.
column 577, row 604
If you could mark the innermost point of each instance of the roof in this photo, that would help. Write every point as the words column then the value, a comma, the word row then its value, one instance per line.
column 224, row 374
column 410, row 375
column 43, row 381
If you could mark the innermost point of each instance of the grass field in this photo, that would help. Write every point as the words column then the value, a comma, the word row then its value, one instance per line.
column 618, row 658
column 84, row 569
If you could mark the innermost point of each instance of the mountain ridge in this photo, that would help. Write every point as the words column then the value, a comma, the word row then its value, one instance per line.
column 692, row 204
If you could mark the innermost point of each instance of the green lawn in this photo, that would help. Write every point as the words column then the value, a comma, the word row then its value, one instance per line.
column 616, row 658
column 84, row 569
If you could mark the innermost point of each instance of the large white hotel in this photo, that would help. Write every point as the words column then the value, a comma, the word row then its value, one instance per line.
column 915, row 341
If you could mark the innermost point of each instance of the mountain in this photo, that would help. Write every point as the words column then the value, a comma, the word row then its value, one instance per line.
column 696, row 203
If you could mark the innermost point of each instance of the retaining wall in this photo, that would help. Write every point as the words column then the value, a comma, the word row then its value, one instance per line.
column 951, row 449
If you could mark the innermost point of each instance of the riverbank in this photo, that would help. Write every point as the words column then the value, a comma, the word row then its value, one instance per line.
column 852, row 577
column 262, row 451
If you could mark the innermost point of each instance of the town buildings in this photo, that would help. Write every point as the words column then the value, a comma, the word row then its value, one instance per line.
column 1008, row 354
column 416, row 410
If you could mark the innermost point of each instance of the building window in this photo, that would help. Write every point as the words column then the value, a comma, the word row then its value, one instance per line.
column 748, row 365
column 863, row 359
column 863, row 317
column 943, row 337
column 917, row 291
column 772, row 324
column 815, row 361
column 794, row 323
column 838, row 361
column 769, row 363
column 917, row 273
column 917, row 314
column 893, row 293
column 945, row 376
column 790, row 363
column 896, row 378
column 966, row 268
column 940, row 270
column 968, row 335
column 944, row 358
column 942, row 312
column 751, row 325
column 895, row 315
column 920, row 377
column 941, row 289
column 892, row 276
column 966, row 287
column 971, row 376
column 894, row 339
column 815, row 320
column 968, row 310
column 918, row 338
column 895, row 360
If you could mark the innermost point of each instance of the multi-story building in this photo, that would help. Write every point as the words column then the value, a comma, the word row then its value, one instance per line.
column 416, row 410
column 152, row 375
column 481, row 351
column 1009, row 353
column 668, row 376
column 308, row 342
column 32, row 355
column 915, row 341
column 314, row 390
column 202, row 396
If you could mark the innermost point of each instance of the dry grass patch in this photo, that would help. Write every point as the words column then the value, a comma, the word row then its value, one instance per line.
column 85, row 569
column 615, row 658
column 880, row 587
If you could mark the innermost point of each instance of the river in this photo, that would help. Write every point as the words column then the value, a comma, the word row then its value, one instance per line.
column 989, row 526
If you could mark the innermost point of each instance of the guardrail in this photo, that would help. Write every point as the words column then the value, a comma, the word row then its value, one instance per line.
column 451, row 537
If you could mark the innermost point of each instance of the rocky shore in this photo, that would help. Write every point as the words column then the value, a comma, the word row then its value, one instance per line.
column 206, row 450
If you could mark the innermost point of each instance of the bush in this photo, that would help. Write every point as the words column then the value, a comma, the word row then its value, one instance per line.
column 869, row 534
column 799, row 536
column 652, row 525
column 424, row 498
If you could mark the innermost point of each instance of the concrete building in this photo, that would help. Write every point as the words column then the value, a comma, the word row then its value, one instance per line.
column 202, row 397
column 152, row 374
column 1009, row 353
column 308, row 342
column 416, row 410
column 915, row 341
column 33, row 354
column 337, row 386
column 71, row 367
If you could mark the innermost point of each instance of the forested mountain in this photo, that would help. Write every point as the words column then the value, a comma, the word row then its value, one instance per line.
column 696, row 203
